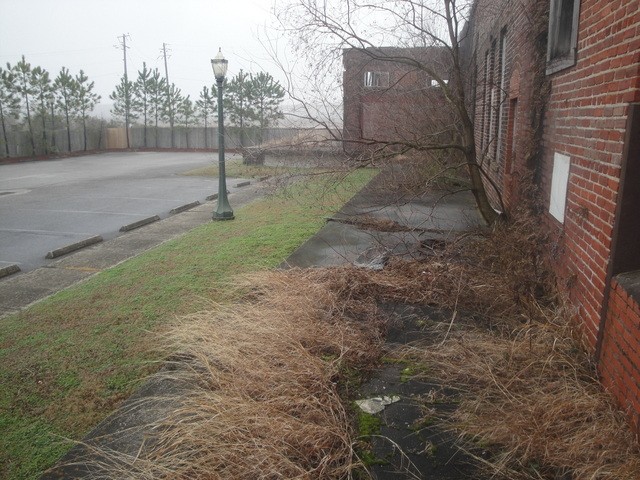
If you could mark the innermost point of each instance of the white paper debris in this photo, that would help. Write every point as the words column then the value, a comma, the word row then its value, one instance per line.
column 376, row 404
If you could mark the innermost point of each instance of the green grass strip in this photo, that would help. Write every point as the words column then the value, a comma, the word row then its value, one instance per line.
column 68, row 361
column 235, row 168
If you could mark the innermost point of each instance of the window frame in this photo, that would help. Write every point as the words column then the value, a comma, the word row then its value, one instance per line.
column 376, row 79
column 558, row 63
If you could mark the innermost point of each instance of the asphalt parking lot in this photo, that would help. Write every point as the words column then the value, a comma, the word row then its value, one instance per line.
column 47, row 205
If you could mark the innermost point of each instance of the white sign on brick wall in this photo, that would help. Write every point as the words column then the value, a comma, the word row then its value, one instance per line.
column 559, row 184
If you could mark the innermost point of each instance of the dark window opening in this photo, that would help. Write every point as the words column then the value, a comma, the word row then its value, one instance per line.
column 563, row 34
column 562, row 45
column 511, row 135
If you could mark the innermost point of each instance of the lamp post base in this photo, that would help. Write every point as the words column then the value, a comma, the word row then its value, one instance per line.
column 223, row 216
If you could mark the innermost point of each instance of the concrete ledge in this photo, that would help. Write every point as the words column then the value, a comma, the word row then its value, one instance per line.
column 74, row 246
column 243, row 184
column 184, row 208
column 139, row 223
column 630, row 281
column 9, row 270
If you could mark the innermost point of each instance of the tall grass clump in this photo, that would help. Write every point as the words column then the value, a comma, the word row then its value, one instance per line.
column 258, row 386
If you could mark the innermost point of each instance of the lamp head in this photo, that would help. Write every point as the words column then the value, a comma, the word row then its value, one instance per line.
column 219, row 65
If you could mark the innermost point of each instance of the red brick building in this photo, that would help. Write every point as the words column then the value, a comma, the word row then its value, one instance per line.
column 385, row 93
column 557, row 100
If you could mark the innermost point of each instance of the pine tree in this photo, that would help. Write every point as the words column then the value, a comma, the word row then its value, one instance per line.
column 205, row 107
column 42, row 85
column 64, row 87
column 157, row 93
column 123, row 106
column 25, row 89
column 266, row 98
column 186, row 112
column 238, row 103
column 85, row 101
column 173, row 98
column 9, row 103
column 142, row 96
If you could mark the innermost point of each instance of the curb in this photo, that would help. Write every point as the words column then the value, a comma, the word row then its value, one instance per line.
column 139, row 223
column 9, row 270
column 184, row 208
column 214, row 196
column 242, row 184
column 58, row 252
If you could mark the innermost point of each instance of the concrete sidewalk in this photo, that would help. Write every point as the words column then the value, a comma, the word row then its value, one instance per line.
column 432, row 216
column 340, row 241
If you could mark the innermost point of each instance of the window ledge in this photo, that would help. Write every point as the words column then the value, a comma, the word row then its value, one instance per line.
column 559, row 64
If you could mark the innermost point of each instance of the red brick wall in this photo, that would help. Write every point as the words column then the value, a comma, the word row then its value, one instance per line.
column 586, row 120
column 620, row 359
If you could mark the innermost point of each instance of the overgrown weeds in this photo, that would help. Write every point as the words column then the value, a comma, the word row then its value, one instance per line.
column 261, row 396
column 262, row 379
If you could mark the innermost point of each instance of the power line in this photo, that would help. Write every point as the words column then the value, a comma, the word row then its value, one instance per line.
column 127, row 93
column 169, row 100
column 166, row 69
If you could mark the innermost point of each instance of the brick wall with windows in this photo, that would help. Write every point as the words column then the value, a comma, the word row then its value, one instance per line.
column 385, row 94
column 570, row 120
column 504, row 39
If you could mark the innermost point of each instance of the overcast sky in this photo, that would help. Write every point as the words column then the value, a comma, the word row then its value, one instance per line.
column 83, row 34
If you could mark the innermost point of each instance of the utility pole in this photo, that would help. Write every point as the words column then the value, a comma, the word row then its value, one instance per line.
column 127, row 92
column 169, row 101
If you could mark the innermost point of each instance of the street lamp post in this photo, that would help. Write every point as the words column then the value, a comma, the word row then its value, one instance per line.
column 224, row 211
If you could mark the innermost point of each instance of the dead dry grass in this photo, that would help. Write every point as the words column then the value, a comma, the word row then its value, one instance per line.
column 532, row 400
column 259, row 385
column 261, row 380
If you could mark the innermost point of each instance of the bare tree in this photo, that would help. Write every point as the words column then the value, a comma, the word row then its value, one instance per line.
column 392, row 32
